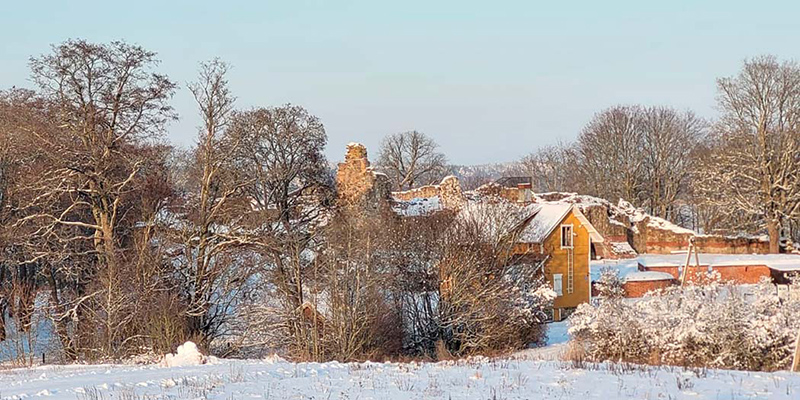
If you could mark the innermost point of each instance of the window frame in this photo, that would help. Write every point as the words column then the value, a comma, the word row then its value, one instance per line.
column 571, row 236
column 559, row 289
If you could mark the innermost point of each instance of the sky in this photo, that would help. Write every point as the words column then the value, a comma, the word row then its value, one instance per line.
column 490, row 81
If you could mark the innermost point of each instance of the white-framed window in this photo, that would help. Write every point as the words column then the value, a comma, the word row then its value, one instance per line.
column 566, row 236
column 558, row 284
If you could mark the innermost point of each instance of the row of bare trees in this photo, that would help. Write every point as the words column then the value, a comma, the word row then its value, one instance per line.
column 736, row 174
column 129, row 243
column 114, row 243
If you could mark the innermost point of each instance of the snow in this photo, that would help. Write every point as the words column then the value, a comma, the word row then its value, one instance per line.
column 547, row 217
column 645, row 276
column 478, row 378
column 417, row 207
column 624, row 267
column 622, row 248
column 557, row 333
column 628, row 267
column 186, row 355
column 780, row 262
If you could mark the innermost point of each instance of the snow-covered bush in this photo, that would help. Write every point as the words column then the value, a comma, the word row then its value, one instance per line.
column 719, row 326
column 610, row 285
column 489, row 298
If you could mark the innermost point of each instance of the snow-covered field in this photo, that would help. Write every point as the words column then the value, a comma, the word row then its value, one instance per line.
column 480, row 379
column 529, row 374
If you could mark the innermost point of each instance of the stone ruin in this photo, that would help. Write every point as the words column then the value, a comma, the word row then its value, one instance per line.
column 358, row 184
column 626, row 231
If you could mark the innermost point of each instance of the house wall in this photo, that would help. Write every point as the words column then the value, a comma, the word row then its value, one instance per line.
column 557, row 264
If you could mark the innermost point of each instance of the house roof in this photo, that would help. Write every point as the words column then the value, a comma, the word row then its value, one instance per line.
column 547, row 216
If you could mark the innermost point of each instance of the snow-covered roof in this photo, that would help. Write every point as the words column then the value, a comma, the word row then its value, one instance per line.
column 646, row 276
column 779, row 262
column 548, row 216
column 624, row 267
column 545, row 219
column 622, row 248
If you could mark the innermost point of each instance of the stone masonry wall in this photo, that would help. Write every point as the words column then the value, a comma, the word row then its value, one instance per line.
column 449, row 193
column 358, row 184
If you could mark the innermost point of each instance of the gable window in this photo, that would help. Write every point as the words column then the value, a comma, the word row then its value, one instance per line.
column 558, row 285
column 566, row 236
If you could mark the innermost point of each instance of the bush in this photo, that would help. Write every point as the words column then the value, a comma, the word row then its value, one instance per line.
column 717, row 326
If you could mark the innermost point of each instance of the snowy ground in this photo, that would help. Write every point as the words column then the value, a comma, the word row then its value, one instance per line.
column 532, row 374
column 500, row 379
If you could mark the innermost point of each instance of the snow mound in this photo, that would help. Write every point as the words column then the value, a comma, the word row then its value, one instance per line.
column 186, row 355
column 274, row 358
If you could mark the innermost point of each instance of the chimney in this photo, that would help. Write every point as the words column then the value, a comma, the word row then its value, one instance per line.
column 524, row 190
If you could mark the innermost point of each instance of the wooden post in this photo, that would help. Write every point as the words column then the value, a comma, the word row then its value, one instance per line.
column 688, row 260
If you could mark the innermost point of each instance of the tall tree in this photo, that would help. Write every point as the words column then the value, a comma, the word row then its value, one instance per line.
column 210, row 228
column 289, row 185
column 670, row 140
column 551, row 168
column 610, row 149
column 757, row 145
column 109, row 105
column 411, row 159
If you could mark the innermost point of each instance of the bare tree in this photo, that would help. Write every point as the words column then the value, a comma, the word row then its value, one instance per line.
column 209, row 230
column 288, row 189
column 360, row 320
column 489, row 298
column 109, row 105
column 670, row 141
column 411, row 159
column 610, row 149
column 757, row 145
column 552, row 168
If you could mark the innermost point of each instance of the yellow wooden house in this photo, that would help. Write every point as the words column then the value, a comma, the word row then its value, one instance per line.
column 562, row 236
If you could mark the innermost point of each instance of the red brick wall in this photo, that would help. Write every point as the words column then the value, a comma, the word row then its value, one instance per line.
column 743, row 273
column 738, row 274
column 639, row 288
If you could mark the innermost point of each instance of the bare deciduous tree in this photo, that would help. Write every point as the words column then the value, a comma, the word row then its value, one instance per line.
column 757, row 145
column 288, row 189
column 610, row 150
column 670, row 141
column 210, row 228
column 411, row 159
column 551, row 168
column 109, row 104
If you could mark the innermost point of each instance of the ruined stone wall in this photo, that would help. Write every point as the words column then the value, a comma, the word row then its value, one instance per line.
column 449, row 193
column 652, row 240
column 512, row 194
column 358, row 184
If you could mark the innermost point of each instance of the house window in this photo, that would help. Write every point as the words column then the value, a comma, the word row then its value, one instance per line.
column 566, row 236
column 558, row 285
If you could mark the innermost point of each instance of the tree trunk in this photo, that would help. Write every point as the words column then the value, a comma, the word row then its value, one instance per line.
column 773, row 229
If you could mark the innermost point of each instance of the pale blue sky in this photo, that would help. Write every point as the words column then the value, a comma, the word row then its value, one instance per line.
column 489, row 80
